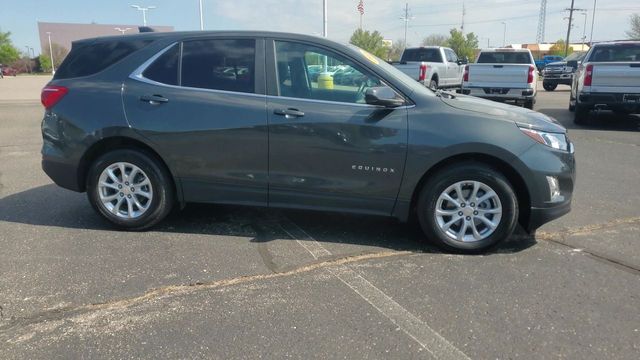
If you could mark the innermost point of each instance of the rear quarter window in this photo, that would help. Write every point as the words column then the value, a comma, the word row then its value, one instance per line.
column 85, row 60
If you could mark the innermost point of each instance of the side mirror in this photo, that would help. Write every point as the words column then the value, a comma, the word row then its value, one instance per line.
column 573, row 64
column 383, row 96
column 463, row 61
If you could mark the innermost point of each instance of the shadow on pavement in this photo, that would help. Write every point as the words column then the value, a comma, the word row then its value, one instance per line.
column 50, row 205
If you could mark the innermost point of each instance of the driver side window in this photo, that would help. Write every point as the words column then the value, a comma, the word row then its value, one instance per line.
column 309, row 72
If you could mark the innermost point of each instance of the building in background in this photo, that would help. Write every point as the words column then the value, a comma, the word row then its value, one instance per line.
column 63, row 34
column 540, row 50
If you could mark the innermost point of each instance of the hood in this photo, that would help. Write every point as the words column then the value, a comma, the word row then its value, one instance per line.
column 505, row 112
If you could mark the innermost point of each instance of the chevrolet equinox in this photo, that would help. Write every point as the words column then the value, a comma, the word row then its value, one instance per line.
column 147, row 122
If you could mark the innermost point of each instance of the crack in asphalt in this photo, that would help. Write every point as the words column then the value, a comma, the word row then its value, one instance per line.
column 560, row 238
column 8, row 330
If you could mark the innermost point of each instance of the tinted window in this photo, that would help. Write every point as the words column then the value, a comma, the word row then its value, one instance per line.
column 616, row 53
column 451, row 56
column 165, row 68
column 219, row 64
column 84, row 60
column 421, row 54
column 301, row 74
column 504, row 57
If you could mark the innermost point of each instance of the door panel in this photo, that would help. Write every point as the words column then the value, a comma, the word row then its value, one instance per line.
column 342, row 155
column 215, row 141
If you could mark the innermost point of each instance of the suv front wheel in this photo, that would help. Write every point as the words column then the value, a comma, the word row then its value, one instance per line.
column 468, row 208
column 130, row 189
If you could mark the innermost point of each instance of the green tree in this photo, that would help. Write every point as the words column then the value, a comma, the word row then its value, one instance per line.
column 370, row 41
column 464, row 46
column 559, row 48
column 395, row 53
column 59, row 53
column 8, row 52
column 634, row 33
column 436, row 40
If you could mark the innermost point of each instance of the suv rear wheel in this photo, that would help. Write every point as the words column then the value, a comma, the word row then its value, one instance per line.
column 130, row 189
column 468, row 208
column 549, row 86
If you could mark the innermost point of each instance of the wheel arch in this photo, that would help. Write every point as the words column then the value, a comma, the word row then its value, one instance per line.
column 107, row 144
column 513, row 176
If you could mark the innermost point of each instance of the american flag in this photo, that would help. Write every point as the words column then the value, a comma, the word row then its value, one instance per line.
column 361, row 7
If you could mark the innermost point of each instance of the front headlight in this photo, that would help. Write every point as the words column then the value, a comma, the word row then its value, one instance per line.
column 555, row 140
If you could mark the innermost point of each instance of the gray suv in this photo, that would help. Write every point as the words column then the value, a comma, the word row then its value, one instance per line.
column 147, row 122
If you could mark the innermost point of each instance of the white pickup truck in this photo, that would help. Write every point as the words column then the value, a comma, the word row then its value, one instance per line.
column 607, row 79
column 434, row 66
column 506, row 75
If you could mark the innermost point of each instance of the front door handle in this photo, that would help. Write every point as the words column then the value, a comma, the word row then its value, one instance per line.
column 289, row 113
column 154, row 99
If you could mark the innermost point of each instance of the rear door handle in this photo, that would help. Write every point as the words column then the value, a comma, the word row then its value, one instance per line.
column 154, row 99
column 289, row 113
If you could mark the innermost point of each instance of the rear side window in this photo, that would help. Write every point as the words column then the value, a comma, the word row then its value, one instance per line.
column 505, row 57
column 616, row 53
column 89, row 59
column 165, row 68
column 219, row 64
column 426, row 55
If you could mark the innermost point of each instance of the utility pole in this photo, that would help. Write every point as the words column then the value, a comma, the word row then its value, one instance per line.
column 593, row 21
column 144, row 12
column 464, row 13
column 28, row 59
column 201, row 18
column 584, row 29
column 504, row 35
column 571, row 11
column 406, row 19
column 324, row 19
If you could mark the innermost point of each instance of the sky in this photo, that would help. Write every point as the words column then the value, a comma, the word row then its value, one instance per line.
column 483, row 17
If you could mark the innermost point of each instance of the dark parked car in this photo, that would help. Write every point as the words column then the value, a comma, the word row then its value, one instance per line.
column 146, row 122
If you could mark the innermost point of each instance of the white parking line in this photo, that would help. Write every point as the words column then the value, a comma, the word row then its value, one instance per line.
column 415, row 328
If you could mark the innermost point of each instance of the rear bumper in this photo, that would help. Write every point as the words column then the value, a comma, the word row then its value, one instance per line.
column 63, row 173
column 612, row 101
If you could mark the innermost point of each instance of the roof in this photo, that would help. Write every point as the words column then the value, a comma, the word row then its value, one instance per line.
column 504, row 50
column 618, row 42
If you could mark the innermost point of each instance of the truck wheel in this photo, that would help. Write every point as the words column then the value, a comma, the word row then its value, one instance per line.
column 467, row 208
column 549, row 86
column 433, row 85
column 130, row 189
column 581, row 115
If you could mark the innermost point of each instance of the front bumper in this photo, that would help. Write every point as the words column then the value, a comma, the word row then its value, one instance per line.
column 541, row 216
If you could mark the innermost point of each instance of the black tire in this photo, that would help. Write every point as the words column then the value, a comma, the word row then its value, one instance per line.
column 581, row 115
column 468, row 171
column 549, row 86
column 161, row 182
column 433, row 84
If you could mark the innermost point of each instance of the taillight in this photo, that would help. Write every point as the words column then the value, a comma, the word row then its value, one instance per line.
column 423, row 72
column 51, row 94
column 465, row 77
column 531, row 70
column 588, row 75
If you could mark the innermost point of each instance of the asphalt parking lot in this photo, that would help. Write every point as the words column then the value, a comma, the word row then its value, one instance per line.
column 232, row 282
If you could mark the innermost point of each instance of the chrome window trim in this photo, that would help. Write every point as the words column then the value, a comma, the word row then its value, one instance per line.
column 137, row 75
column 336, row 102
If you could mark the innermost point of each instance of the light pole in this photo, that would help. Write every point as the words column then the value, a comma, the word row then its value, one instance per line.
column 584, row 30
column 144, row 10
column 53, row 67
column 325, row 32
column 28, row 59
column 201, row 18
column 593, row 21
column 122, row 30
column 504, row 35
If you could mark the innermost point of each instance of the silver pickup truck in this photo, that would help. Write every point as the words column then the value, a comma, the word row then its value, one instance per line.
column 607, row 79
column 434, row 66
column 505, row 75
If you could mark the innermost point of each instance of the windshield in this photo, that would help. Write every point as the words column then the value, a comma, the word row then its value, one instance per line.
column 504, row 57
column 616, row 53
column 577, row 56
column 397, row 74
